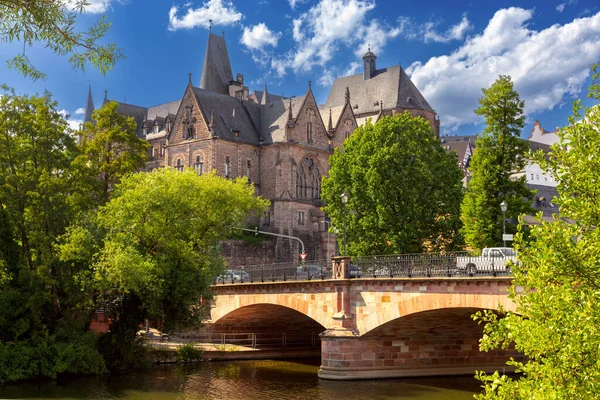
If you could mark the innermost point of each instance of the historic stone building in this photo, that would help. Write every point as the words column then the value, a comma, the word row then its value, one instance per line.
column 281, row 144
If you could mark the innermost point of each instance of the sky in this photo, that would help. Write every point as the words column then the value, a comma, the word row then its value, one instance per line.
column 451, row 50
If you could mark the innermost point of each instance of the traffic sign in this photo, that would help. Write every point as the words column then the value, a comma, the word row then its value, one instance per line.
column 507, row 237
column 303, row 256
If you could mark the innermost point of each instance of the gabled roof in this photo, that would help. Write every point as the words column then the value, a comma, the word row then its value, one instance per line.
column 274, row 117
column 230, row 115
column 336, row 114
column 162, row 110
column 216, row 72
column 142, row 114
column 272, row 97
column 390, row 85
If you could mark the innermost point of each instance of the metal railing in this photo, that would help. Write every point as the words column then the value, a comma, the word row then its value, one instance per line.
column 235, row 341
column 419, row 265
column 290, row 271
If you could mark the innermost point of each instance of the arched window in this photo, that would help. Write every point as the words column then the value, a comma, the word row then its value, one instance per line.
column 308, row 180
column 347, row 128
column 309, row 125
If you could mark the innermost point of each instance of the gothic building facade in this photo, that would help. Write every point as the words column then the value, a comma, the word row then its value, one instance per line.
column 281, row 145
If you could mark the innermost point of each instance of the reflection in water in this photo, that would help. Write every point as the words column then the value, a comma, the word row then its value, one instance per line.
column 242, row 380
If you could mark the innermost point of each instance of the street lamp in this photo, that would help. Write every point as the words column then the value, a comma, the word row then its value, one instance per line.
column 344, row 202
column 503, row 207
column 328, row 236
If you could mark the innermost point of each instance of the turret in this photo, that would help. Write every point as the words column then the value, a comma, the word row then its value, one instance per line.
column 369, row 64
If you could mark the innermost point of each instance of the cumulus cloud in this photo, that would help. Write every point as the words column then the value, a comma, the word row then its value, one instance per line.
column 329, row 75
column 259, row 36
column 80, row 111
column 546, row 66
column 294, row 3
column 328, row 27
column 221, row 12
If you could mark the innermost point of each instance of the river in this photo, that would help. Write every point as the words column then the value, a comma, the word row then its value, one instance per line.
column 242, row 380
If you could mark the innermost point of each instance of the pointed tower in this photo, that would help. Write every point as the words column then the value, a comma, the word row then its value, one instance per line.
column 216, row 72
column 265, row 97
column 89, row 106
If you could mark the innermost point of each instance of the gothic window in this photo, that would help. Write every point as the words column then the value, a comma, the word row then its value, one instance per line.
column 300, row 217
column 226, row 167
column 178, row 165
column 249, row 171
column 162, row 149
column 309, row 125
column 199, row 165
column 190, row 132
column 308, row 180
column 347, row 128
column 189, row 122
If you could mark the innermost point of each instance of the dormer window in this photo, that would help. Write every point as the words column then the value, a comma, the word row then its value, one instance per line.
column 169, row 126
column 155, row 128
column 144, row 131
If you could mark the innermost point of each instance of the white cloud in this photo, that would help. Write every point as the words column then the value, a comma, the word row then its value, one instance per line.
column 561, row 7
column 455, row 32
column 73, row 123
column 329, row 75
column 546, row 66
column 259, row 36
column 80, row 111
column 221, row 12
column 327, row 27
column 294, row 3
column 93, row 6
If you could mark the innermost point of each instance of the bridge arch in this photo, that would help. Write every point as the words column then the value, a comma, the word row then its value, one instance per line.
column 308, row 305
column 403, row 304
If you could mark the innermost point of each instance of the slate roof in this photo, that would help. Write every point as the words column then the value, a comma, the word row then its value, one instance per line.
column 162, row 110
column 459, row 147
column 231, row 115
column 142, row 114
column 543, row 199
column 390, row 85
column 89, row 106
column 272, row 97
column 274, row 117
column 462, row 138
column 216, row 72
column 336, row 113
column 138, row 113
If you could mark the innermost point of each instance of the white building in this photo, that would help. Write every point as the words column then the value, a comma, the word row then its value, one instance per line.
column 540, row 135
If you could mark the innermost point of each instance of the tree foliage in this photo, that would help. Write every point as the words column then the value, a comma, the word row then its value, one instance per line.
column 556, row 286
column 498, row 155
column 52, row 23
column 404, row 189
column 110, row 148
column 42, row 326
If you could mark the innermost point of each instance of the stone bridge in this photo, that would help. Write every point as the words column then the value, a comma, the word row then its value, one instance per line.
column 374, row 327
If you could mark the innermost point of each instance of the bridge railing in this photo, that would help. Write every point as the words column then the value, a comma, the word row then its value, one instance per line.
column 252, row 340
column 427, row 265
column 290, row 271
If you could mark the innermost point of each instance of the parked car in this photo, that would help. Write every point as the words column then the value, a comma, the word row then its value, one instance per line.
column 233, row 276
column 312, row 272
column 492, row 259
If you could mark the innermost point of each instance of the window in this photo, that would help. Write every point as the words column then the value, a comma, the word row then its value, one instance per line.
column 308, row 180
column 226, row 167
column 532, row 177
column 309, row 126
column 300, row 217
column 199, row 166
column 537, row 177
column 145, row 131
column 266, row 218
column 155, row 128
column 348, row 128
column 162, row 149
column 178, row 166
column 249, row 171
column 190, row 132
column 169, row 126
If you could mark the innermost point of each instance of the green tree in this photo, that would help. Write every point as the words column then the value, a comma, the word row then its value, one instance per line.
column 499, row 153
column 41, row 324
column 159, row 252
column 556, row 285
column 52, row 23
column 404, row 189
column 110, row 149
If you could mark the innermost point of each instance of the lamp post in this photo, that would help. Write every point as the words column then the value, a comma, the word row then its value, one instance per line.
column 344, row 202
column 328, row 236
column 503, row 207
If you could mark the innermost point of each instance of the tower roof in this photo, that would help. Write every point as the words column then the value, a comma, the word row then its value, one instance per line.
column 89, row 106
column 216, row 72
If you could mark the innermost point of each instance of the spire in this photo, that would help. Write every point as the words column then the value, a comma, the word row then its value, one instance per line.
column 190, row 77
column 105, row 96
column 347, row 95
column 309, row 85
column 265, row 96
column 216, row 72
column 330, row 124
column 89, row 106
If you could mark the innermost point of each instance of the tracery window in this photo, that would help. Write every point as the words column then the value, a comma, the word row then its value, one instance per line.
column 308, row 180
column 347, row 128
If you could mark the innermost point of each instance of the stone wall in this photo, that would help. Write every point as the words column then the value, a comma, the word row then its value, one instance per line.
column 239, row 253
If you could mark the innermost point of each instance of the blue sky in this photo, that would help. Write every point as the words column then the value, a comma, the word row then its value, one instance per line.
column 450, row 49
